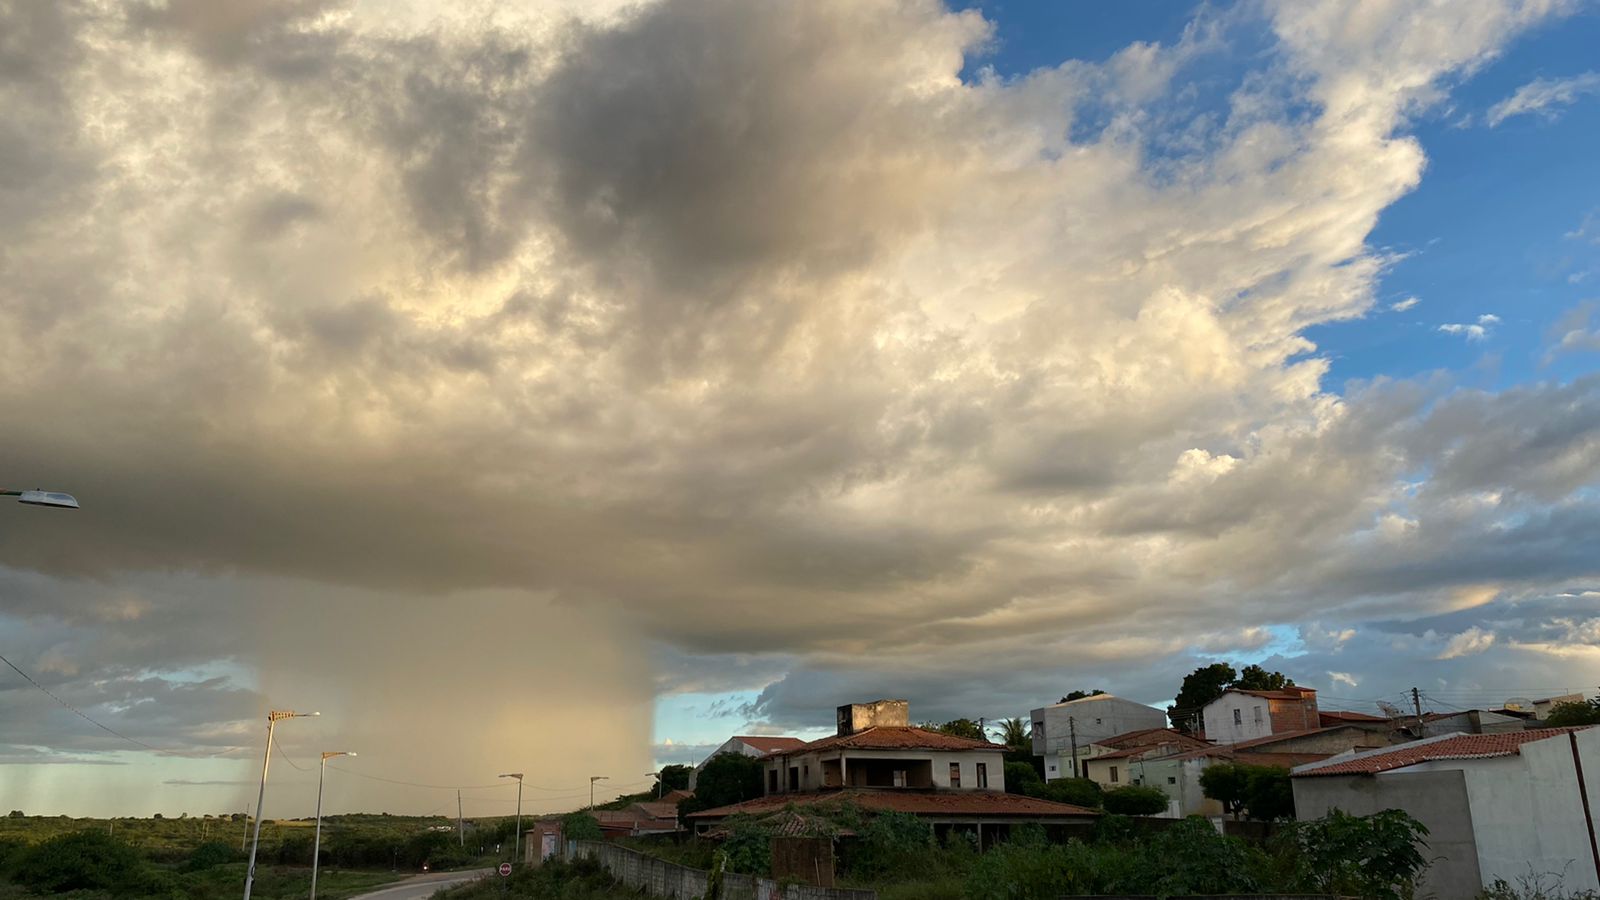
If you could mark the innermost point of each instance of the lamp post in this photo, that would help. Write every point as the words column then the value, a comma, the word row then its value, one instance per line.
column 516, row 841
column 266, row 761
column 592, row 780
column 52, row 499
column 316, row 845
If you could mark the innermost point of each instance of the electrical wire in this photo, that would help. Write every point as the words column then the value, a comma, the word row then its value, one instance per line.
column 285, row 757
column 80, row 713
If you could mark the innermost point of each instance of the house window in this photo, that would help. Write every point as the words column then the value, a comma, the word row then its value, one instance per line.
column 983, row 775
column 1097, row 721
column 772, row 781
column 955, row 775
column 1052, row 768
column 1238, row 717
column 1171, row 779
column 899, row 777
column 1258, row 715
column 1113, row 774
column 805, row 775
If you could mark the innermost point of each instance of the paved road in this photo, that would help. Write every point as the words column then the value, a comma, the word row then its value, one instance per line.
column 420, row 887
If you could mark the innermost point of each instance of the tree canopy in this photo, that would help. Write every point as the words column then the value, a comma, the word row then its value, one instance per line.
column 675, row 778
column 725, row 779
column 1261, row 792
column 959, row 728
column 1586, row 712
column 1079, row 695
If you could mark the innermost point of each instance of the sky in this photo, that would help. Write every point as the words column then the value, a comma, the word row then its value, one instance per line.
column 564, row 387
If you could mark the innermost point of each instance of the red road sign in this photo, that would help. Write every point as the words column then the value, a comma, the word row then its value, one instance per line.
column 505, row 868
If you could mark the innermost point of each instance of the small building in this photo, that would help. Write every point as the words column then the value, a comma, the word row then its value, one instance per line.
column 541, row 840
column 1241, row 715
column 1468, row 721
column 753, row 745
column 1060, row 728
column 1497, row 806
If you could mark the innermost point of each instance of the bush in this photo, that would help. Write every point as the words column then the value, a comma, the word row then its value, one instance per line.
column 1135, row 800
column 725, row 779
column 1022, row 778
column 580, row 826
column 1077, row 791
column 892, row 843
column 83, row 860
column 1192, row 858
column 1370, row 856
column 207, row 855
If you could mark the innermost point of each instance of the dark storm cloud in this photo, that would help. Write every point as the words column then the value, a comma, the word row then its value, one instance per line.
column 750, row 329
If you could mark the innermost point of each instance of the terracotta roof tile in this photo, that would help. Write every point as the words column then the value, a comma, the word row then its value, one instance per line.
column 770, row 743
column 923, row 803
column 1456, row 746
column 893, row 737
column 1289, row 693
column 1331, row 716
column 1148, row 737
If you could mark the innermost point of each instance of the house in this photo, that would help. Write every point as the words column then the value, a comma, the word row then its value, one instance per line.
column 543, row 838
column 1332, row 717
column 1541, row 709
column 1178, row 773
column 1063, row 732
column 1497, row 806
column 1241, row 715
column 754, row 745
column 878, row 761
column 876, row 746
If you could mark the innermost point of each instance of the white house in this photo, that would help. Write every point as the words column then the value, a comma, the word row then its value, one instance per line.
column 877, row 747
column 1497, row 806
column 746, row 745
column 1240, row 715
column 1078, row 723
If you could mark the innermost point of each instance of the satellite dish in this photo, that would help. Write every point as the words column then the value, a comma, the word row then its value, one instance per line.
column 1389, row 709
column 1520, row 704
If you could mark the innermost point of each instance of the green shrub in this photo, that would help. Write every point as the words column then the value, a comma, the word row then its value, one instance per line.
column 580, row 826
column 1192, row 858
column 1077, row 791
column 1135, row 800
column 1371, row 856
column 211, row 853
column 1022, row 778
column 83, row 860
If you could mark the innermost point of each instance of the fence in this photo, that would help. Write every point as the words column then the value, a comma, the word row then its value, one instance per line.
column 663, row 879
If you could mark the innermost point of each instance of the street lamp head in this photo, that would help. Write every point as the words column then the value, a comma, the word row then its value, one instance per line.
column 516, row 775
column 330, row 754
column 53, row 499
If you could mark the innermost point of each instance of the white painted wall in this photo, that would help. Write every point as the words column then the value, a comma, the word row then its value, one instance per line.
column 1527, row 812
column 1253, row 720
column 1094, row 718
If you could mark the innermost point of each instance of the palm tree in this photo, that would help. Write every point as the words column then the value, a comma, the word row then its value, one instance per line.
column 1014, row 733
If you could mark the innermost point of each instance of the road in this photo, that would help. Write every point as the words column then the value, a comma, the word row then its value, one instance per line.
column 420, row 887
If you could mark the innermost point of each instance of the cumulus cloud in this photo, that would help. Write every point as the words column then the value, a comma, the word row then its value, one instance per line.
column 1403, row 305
column 1472, row 332
column 1544, row 97
column 710, row 344
column 1473, row 640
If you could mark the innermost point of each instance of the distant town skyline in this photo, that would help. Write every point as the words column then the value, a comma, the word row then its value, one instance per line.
column 565, row 387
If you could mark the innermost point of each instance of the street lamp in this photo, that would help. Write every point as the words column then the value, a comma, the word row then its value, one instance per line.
column 516, row 844
column 53, row 499
column 592, row 780
column 261, row 795
column 316, row 845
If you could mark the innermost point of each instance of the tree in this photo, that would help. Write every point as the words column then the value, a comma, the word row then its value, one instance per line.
column 965, row 728
column 580, row 826
column 83, row 860
column 1565, row 715
column 674, row 778
column 1135, row 800
column 1023, row 778
column 1261, row 792
column 1076, row 791
column 1200, row 687
column 1255, row 678
column 1079, row 695
column 725, row 779
column 1015, row 734
column 1366, row 856
column 16, row 814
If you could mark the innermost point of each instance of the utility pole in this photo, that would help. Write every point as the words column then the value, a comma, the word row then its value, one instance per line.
column 1416, row 703
column 261, row 795
column 592, row 780
column 516, row 844
column 244, row 839
column 1072, row 729
column 461, row 827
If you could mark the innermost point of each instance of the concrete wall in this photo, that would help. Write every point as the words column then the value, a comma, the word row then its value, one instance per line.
column 1096, row 718
column 1528, row 815
column 1255, row 718
column 1437, row 799
column 1337, row 739
column 856, row 717
column 660, row 878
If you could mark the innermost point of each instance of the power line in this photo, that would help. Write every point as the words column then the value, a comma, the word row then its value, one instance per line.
column 80, row 713
column 285, row 757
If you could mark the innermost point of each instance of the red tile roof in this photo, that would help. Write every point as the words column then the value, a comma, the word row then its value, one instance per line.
column 769, row 743
column 1149, row 737
column 922, row 803
column 1459, row 746
column 894, row 737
